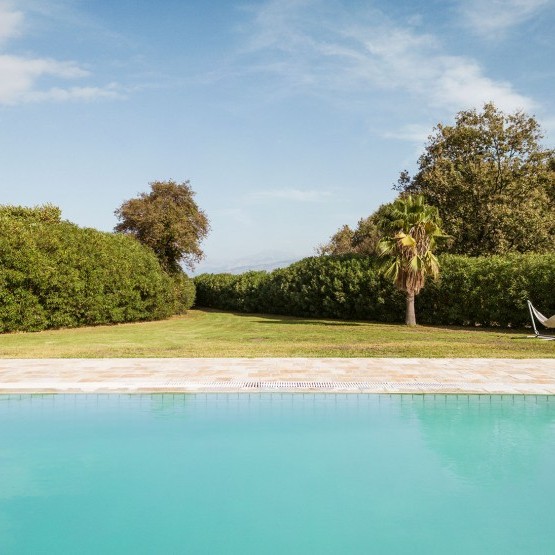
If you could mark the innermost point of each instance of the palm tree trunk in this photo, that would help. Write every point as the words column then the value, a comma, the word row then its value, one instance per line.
column 410, row 319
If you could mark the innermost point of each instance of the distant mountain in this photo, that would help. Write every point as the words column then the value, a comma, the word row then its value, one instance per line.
column 268, row 266
column 263, row 261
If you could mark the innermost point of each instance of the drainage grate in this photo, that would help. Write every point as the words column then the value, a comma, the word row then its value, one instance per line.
column 309, row 385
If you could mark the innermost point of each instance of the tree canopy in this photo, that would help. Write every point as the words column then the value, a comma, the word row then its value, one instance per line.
column 361, row 240
column 492, row 181
column 410, row 229
column 168, row 220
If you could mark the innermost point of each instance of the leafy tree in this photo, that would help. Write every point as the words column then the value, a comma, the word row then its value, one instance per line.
column 341, row 242
column 362, row 240
column 167, row 220
column 492, row 181
column 366, row 235
column 410, row 230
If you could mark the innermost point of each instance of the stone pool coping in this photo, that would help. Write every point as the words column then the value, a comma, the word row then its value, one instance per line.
column 329, row 375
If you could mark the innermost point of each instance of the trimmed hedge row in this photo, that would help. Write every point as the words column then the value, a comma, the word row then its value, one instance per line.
column 54, row 274
column 490, row 291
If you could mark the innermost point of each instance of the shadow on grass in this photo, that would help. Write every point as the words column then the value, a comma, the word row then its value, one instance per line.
column 308, row 322
column 303, row 320
column 515, row 333
column 297, row 320
column 398, row 326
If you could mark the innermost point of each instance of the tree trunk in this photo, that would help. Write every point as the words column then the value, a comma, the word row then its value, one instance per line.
column 410, row 319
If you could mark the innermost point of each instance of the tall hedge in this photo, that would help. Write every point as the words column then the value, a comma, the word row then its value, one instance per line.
column 55, row 274
column 337, row 287
column 490, row 291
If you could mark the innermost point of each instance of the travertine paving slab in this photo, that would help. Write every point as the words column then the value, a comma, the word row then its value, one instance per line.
column 367, row 375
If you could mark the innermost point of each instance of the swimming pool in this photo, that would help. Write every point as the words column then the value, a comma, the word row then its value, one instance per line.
column 277, row 473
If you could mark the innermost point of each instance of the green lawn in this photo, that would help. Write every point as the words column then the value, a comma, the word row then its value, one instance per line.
column 203, row 333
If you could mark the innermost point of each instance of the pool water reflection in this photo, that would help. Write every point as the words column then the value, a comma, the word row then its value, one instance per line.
column 277, row 473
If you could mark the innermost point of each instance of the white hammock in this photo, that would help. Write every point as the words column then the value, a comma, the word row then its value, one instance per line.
column 547, row 322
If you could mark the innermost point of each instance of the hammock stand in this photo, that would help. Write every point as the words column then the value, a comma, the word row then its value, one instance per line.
column 547, row 322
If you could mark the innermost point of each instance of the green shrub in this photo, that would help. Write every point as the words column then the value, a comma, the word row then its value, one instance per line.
column 183, row 289
column 54, row 274
column 47, row 213
column 336, row 287
column 490, row 291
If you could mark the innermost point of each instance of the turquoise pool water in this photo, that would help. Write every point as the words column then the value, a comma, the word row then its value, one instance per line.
column 310, row 474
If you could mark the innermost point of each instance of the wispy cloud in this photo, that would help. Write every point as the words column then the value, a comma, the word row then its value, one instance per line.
column 20, row 76
column 493, row 18
column 236, row 215
column 294, row 195
column 412, row 132
column 75, row 93
column 10, row 23
column 329, row 50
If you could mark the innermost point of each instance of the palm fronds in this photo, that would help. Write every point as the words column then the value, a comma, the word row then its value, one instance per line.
column 411, row 230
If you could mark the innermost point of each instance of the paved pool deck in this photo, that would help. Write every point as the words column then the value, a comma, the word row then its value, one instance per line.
column 329, row 375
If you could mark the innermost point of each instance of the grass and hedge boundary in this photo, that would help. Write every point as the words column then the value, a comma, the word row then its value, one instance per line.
column 487, row 291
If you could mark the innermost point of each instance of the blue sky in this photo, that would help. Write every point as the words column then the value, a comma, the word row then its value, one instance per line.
column 290, row 118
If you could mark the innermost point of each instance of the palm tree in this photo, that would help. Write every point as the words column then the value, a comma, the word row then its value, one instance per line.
column 411, row 229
